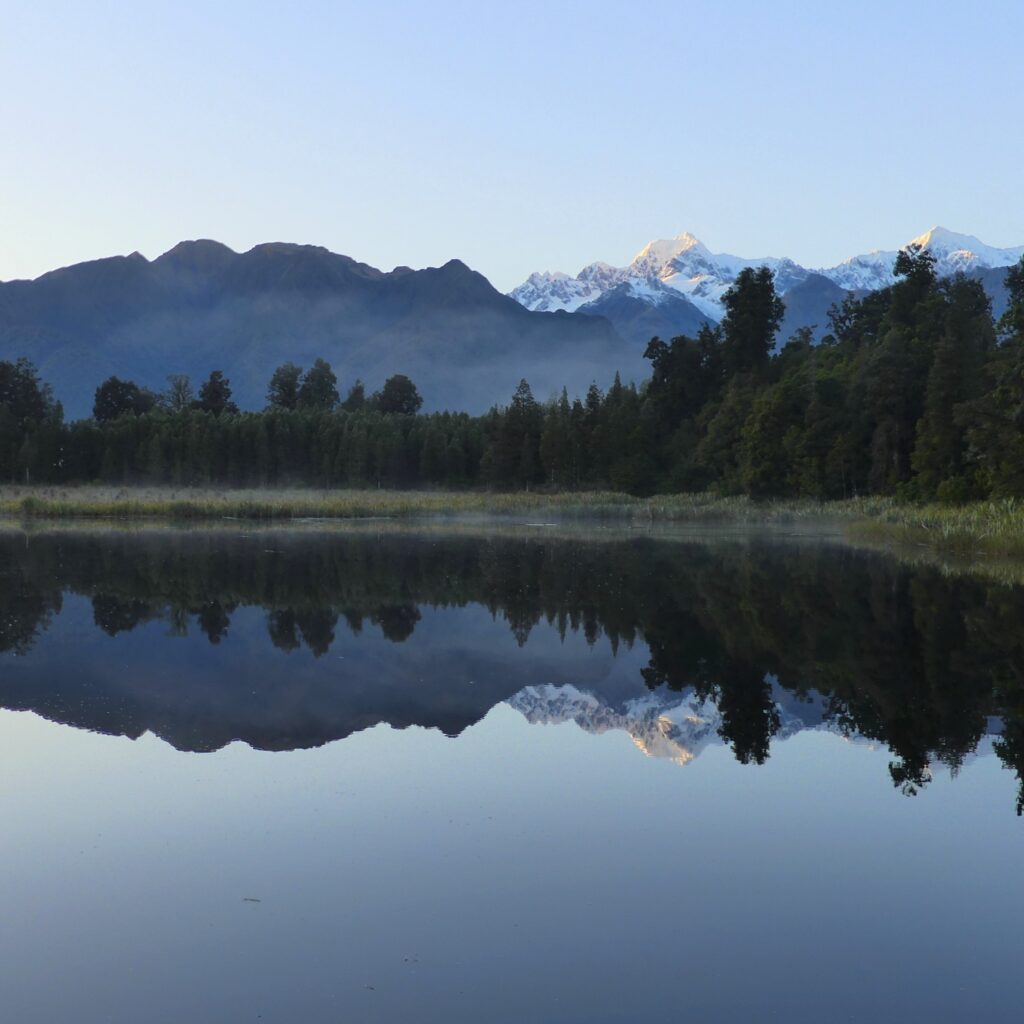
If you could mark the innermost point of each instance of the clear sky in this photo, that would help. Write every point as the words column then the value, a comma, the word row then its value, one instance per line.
column 515, row 136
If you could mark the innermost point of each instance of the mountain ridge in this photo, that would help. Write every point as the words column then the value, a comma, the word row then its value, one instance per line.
column 202, row 306
column 686, row 268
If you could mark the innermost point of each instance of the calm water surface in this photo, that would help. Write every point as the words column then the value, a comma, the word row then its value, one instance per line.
column 524, row 775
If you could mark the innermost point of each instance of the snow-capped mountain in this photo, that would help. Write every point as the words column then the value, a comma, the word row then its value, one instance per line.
column 953, row 253
column 675, row 726
column 684, row 267
column 680, row 266
column 545, row 292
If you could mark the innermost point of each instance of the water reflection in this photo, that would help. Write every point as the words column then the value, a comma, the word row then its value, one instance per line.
column 289, row 639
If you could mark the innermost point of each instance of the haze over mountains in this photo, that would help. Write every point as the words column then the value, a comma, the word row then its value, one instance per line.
column 201, row 306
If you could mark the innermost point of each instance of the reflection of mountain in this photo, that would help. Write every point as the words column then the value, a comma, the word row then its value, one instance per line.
column 671, row 726
column 664, row 725
column 287, row 639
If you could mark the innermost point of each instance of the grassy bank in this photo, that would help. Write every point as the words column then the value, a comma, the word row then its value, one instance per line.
column 285, row 505
column 988, row 528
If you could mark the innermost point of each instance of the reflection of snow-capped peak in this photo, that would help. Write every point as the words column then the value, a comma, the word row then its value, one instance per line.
column 672, row 726
column 665, row 724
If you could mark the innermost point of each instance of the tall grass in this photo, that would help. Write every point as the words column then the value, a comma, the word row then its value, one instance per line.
column 981, row 528
column 273, row 505
column 984, row 528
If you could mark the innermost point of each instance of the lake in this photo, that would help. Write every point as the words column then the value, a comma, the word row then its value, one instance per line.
column 507, row 774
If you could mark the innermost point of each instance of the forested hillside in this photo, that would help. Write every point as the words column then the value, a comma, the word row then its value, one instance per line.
column 915, row 391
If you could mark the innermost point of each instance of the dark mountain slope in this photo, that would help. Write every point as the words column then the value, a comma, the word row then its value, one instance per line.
column 638, row 319
column 807, row 305
column 201, row 307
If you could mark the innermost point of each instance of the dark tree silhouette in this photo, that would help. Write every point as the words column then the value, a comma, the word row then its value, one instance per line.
column 319, row 388
column 116, row 397
column 399, row 396
column 283, row 390
column 215, row 395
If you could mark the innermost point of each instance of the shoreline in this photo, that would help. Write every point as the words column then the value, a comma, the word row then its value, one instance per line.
column 992, row 529
column 289, row 504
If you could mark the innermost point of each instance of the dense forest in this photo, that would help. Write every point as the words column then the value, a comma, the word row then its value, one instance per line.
column 915, row 391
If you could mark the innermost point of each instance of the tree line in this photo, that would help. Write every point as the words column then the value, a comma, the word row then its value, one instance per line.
column 915, row 390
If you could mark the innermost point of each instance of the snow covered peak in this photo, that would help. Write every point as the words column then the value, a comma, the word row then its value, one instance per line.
column 683, row 264
column 546, row 291
column 944, row 240
column 953, row 253
column 686, row 266
column 656, row 255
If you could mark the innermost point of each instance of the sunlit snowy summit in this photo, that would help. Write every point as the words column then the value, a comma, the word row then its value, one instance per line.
column 684, row 267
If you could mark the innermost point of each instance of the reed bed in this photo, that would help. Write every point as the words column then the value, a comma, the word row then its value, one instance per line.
column 131, row 503
column 993, row 528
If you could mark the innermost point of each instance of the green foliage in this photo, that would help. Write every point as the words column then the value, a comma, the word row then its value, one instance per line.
column 283, row 390
column 356, row 399
column 319, row 388
column 753, row 314
column 399, row 396
column 179, row 395
column 116, row 397
column 914, row 394
column 215, row 395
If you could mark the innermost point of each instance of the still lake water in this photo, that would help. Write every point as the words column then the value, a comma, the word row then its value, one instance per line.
column 508, row 776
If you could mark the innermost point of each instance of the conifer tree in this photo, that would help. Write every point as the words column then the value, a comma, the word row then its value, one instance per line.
column 319, row 388
column 283, row 390
column 215, row 395
column 753, row 314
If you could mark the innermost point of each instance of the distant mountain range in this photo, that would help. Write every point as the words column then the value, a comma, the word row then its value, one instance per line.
column 678, row 283
column 201, row 306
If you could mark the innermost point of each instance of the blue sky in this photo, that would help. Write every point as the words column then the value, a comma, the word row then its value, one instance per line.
column 516, row 137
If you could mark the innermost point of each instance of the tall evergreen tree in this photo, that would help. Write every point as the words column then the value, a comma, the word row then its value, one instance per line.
column 319, row 388
column 116, row 397
column 399, row 396
column 283, row 390
column 753, row 314
column 215, row 395
column 955, row 378
column 356, row 398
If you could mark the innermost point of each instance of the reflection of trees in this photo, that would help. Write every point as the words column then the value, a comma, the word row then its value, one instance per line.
column 281, row 626
column 750, row 716
column 214, row 619
column 317, row 628
column 397, row 622
column 28, row 599
column 909, row 657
